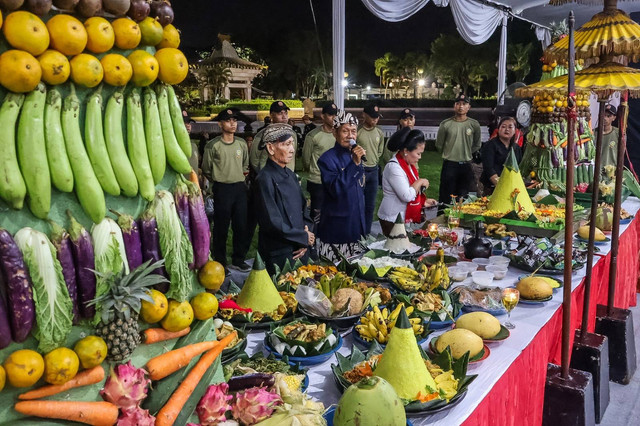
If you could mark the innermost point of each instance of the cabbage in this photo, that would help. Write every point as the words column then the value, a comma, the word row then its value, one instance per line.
column 54, row 308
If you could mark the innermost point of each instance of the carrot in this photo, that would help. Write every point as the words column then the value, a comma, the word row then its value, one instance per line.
column 155, row 335
column 172, row 361
column 84, row 378
column 89, row 412
column 168, row 414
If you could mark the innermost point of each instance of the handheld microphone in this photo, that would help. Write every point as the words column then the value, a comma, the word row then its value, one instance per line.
column 353, row 144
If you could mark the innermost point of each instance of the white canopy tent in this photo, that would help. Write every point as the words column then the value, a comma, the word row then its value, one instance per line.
column 476, row 21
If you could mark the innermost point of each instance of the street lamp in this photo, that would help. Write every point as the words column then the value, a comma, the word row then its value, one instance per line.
column 345, row 83
column 368, row 88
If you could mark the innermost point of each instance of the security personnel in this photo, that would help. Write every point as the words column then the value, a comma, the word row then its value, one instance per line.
column 610, row 137
column 407, row 119
column 458, row 138
column 371, row 138
column 225, row 164
column 317, row 142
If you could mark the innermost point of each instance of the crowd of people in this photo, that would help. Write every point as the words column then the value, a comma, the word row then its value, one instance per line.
column 253, row 181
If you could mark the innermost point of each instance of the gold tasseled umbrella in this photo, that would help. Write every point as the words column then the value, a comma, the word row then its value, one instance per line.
column 611, row 32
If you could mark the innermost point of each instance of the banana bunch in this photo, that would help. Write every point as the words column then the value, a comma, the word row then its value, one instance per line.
column 408, row 279
column 499, row 230
column 438, row 275
column 329, row 286
column 377, row 324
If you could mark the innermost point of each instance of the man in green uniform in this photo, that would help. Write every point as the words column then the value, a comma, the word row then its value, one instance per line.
column 610, row 137
column 371, row 138
column 317, row 142
column 407, row 119
column 458, row 138
column 225, row 164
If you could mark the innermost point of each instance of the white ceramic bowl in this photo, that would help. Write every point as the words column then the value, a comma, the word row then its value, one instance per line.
column 469, row 266
column 499, row 260
column 458, row 273
column 498, row 271
column 481, row 262
column 482, row 278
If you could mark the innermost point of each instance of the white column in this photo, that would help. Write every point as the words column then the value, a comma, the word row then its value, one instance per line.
column 338, row 51
column 502, row 60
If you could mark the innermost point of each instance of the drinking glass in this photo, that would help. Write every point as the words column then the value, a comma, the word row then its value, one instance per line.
column 453, row 222
column 510, row 298
column 433, row 233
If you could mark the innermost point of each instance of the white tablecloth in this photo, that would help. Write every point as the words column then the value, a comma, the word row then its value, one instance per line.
column 529, row 319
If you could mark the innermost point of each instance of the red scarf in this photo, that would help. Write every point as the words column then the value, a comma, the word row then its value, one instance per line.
column 414, row 208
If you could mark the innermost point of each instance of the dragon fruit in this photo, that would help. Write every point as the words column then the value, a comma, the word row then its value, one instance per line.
column 254, row 405
column 136, row 417
column 213, row 405
column 126, row 387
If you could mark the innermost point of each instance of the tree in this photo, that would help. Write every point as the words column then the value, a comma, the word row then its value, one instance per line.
column 388, row 68
column 518, row 59
column 213, row 78
column 414, row 65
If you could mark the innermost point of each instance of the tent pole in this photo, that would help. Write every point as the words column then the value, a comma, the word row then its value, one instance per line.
column 502, row 60
column 338, row 51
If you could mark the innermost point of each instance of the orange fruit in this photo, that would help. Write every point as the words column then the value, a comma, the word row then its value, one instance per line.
column 68, row 35
column 20, row 72
column 154, row 312
column 55, row 67
column 145, row 67
column 151, row 31
column 86, row 70
column 24, row 368
column 173, row 65
column 117, row 69
column 127, row 33
column 60, row 366
column 211, row 275
column 1, row 27
column 100, row 34
column 25, row 31
column 170, row 37
column 179, row 316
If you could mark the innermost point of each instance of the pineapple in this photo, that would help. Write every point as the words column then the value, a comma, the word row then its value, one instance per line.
column 119, row 308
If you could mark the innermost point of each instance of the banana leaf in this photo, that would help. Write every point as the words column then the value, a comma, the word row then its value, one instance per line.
column 449, row 300
column 370, row 273
column 310, row 348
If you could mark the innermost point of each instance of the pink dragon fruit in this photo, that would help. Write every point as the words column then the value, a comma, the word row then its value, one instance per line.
column 126, row 387
column 136, row 417
column 213, row 405
column 254, row 405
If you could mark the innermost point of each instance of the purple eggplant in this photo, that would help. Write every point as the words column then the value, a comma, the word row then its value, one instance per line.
column 238, row 383
column 554, row 159
column 151, row 244
column 84, row 257
column 181, row 196
column 131, row 238
column 200, row 231
column 62, row 243
column 5, row 326
column 20, row 305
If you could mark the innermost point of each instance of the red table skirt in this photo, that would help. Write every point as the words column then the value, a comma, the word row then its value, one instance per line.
column 518, row 397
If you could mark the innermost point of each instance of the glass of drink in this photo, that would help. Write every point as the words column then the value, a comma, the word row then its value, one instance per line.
column 453, row 222
column 433, row 232
column 510, row 298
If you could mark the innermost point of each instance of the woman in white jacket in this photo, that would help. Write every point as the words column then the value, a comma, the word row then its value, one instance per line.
column 402, row 187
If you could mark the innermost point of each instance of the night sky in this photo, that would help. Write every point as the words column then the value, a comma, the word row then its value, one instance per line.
column 262, row 25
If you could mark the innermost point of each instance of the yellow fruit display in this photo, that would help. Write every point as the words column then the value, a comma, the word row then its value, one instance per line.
column 117, row 69
column 68, row 35
column 24, row 368
column 151, row 31
column 145, row 68
column 179, row 316
column 25, row 31
column 127, row 33
column 583, row 232
column 534, row 288
column 91, row 351
column 60, row 366
column 100, row 34
column 460, row 341
column 174, row 66
column 170, row 37
column 3, row 377
column 483, row 324
column 205, row 306
column 211, row 275
column 20, row 72
column 154, row 312
column 55, row 67
column 86, row 70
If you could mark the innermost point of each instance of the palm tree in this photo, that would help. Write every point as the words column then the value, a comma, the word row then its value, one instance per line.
column 214, row 77
column 518, row 58
column 387, row 69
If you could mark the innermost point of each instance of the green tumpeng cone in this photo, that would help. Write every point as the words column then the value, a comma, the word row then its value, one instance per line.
column 258, row 292
column 510, row 193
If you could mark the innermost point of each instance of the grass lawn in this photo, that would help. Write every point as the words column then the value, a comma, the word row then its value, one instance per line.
column 430, row 166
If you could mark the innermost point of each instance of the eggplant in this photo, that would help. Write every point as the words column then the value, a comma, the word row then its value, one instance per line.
column 131, row 238
column 554, row 159
column 200, row 230
column 5, row 326
column 151, row 244
column 85, row 262
column 181, row 196
column 20, row 305
column 62, row 243
column 247, row 381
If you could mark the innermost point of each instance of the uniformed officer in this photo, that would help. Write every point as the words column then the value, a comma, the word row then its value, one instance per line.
column 371, row 138
column 610, row 137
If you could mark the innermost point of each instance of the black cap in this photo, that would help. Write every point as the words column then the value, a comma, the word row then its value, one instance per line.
column 278, row 106
column 611, row 109
column 186, row 117
column 330, row 109
column 372, row 111
column 406, row 113
column 463, row 98
column 227, row 114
